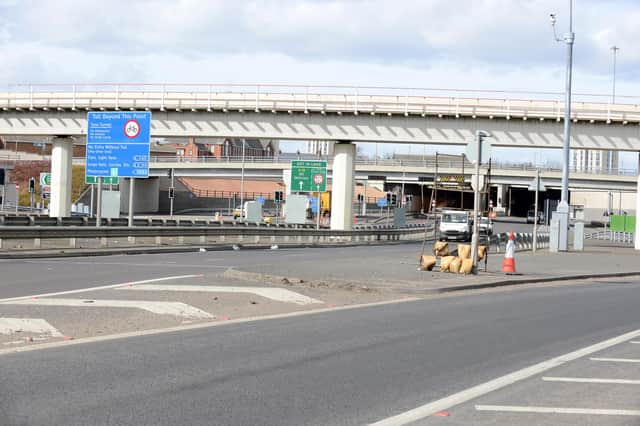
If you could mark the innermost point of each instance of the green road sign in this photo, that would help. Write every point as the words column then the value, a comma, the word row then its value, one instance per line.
column 108, row 180
column 308, row 176
column 45, row 179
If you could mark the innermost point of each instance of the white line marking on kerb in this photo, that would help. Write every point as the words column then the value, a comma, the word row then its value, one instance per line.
column 29, row 325
column 102, row 287
column 591, row 380
column 615, row 359
column 178, row 309
column 557, row 410
column 278, row 294
column 495, row 384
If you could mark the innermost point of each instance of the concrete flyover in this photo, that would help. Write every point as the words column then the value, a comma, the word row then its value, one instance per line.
column 395, row 171
column 343, row 114
column 371, row 114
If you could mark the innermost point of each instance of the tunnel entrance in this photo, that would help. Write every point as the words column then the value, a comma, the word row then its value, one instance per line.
column 522, row 200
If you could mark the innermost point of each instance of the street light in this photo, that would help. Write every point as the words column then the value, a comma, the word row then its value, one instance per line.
column 614, row 49
column 562, row 210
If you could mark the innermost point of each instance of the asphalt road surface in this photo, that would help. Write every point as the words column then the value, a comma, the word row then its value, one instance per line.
column 352, row 366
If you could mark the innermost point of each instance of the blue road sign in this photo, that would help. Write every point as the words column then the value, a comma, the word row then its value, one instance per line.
column 260, row 200
column 381, row 202
column 313, row 203
column 118, row 144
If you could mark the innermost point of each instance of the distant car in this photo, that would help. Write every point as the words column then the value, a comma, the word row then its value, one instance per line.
column 486, row 226
column 531, row 216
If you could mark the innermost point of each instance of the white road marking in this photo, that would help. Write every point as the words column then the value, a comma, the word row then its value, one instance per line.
column 558, row 410
column 591, row 380
column 499, row 383
column 278, row 294
column 178, row 309
column 146, row 265
column 103, row 287
column 28, row 325
column 615, row 359
column 197, row 326
column 635, row 342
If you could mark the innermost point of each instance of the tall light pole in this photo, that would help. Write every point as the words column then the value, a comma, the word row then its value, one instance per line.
column 563, row 207
column 614, row 49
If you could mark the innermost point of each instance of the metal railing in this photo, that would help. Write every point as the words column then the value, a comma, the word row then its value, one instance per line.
column 318, row 98
column 613, row 236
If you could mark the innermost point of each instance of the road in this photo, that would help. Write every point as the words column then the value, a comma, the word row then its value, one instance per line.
column 352, row 366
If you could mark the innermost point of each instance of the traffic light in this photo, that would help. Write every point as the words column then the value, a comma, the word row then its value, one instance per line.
column 32, row 185
column 171, row 192
column 388, row 198
column 394, row 199
column 360, row 198
column 278, row 196
column 1, row 176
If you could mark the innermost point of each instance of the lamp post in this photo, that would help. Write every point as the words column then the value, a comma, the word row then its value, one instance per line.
column 563, row 207
column 614, row 49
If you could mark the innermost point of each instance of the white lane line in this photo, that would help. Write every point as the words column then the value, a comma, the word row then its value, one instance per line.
column 615, row 360
column 473, row 392
column 103, row 287
column 278, row 294
column 29, row 325
column 178, row 309
column 146, row 265
column 635, row 342
column 558, row 410
column 591, row 380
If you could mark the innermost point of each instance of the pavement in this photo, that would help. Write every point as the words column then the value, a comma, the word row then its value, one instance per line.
column 352, row 366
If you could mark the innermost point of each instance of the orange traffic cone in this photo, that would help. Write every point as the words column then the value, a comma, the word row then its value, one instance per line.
column 509, row 263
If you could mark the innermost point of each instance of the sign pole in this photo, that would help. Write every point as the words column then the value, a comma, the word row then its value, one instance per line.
column 535, row 214
column 3, row 197
column 99, row 204
column 171, row 199
column 242, row 182
column 318, row 209
column 91, row 205
column 476, row 203
column 131, row 189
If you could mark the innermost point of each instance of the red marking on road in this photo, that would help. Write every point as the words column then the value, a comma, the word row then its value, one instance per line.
column 442, row 414
column 224, row 318
column 67, row 338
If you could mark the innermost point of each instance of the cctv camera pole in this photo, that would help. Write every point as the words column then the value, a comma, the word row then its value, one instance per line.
column 476, row 202
column 562, row 210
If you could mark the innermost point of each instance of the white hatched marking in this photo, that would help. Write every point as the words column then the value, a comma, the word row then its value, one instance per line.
column 591, row 380
column 28, row 325
column 615, row 359
column 558, row 410
column 102, row 287
column 278, row 294
column 482, row 389
column 178, row 309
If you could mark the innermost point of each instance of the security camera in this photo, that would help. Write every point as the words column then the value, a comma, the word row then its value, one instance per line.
column 552, row 17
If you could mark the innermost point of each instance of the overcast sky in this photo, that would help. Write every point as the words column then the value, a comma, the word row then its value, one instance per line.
column 464, row 44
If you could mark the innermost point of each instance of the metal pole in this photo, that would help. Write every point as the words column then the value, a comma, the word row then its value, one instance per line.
column 403, row 178
column 318, row 209
column 435, row 186
column 462, row 189
column 91, row 202
column 131, row 189
column 613, row 91
column 535, row 214
column 563, row 207
column 174, row 193
column 3, row 197
column 476, row 202
column 364, row 199
column 99, row 204
column 242, row 181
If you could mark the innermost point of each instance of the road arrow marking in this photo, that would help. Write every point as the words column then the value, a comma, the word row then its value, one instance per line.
column 278, row 294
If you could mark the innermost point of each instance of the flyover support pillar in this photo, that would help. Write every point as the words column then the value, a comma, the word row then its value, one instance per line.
column 637, row 233
column 61, row 161
column 342, row 186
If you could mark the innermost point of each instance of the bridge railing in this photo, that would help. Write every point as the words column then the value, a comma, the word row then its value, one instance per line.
column 323, row 99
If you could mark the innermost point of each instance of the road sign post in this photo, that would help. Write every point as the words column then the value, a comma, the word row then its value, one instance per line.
column 479, row 151
column 536, row 186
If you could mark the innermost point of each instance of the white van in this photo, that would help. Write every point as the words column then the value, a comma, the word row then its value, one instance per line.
column 455, row 225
